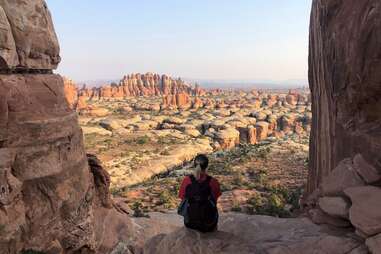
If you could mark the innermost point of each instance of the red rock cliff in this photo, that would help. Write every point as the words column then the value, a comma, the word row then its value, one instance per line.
column 50, row 199
column 345, row 80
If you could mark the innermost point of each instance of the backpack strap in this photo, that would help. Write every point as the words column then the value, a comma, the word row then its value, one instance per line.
column 193, row 179
column 207, row 182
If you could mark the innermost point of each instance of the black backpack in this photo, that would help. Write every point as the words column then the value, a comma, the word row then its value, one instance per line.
column 201, row 211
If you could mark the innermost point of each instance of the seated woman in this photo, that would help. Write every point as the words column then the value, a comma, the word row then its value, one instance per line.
column 199, row 193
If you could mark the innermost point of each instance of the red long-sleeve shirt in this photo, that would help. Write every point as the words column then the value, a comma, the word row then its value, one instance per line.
column 214, row 186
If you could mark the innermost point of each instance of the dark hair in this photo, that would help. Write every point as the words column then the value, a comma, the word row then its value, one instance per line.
column 201, row 160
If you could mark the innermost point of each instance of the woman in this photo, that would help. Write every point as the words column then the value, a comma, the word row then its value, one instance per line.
column 199, row 193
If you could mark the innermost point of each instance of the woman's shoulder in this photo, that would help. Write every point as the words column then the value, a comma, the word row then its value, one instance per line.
column 187, row 179
column 212, row 179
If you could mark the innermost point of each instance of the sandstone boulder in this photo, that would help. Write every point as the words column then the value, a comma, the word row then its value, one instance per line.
column 342, row 177
column 248, row 135
column 96, row 111
column 192, row 132
column 96, row 130
column 174, row 120
column 369, row 173
column 365, row 212
column 228, row 138
column 262, row 130
column 320, row 217
column 374, row 244
column 335, row 206
column 110, row 124
column 260, row 116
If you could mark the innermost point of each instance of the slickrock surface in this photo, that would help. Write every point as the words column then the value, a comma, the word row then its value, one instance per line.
column 239, row 233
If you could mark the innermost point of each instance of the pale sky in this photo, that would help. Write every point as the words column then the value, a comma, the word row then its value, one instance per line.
column 203, row 39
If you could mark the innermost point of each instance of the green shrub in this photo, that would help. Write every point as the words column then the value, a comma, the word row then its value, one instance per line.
column 116, row 191
column 294, row 197
column 142, row 140
column 165, row 152
column 239, row 179
column 2, row 228
column 273, row 205
column 236, row 207
column 137, row 207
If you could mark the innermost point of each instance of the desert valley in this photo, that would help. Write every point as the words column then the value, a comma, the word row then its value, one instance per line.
column 148, row 127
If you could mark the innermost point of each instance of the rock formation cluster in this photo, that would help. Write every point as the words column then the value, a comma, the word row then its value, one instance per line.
column 175, row 92
column 50, row 199
column 345, row 80
column 148, row 84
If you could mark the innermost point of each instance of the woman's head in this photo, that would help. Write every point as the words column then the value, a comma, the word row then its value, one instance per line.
column 200, row 165
column 201, row 160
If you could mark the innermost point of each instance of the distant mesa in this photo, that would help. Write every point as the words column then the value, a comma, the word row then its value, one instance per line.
column 173, row 93
column 134, row 85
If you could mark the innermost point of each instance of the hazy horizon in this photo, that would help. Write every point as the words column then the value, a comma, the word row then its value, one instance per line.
column 200, row 40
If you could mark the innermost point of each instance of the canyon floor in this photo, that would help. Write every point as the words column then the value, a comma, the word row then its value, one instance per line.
column 147, row 150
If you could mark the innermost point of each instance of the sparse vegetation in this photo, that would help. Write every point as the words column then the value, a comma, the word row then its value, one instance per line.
column 2, row 228
column 137, row 207
column 256, row 174
column 142, row 140
column 274, row 168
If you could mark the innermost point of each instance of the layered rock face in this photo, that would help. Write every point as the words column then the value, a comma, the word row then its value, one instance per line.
column 345, row 80
column 50, row 200
column 27, row 36
column 148, row 84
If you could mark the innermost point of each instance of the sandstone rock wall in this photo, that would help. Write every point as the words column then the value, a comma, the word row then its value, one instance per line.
column 50, row 200
column 345, row 145
column 345, row 80
column 28, row 39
